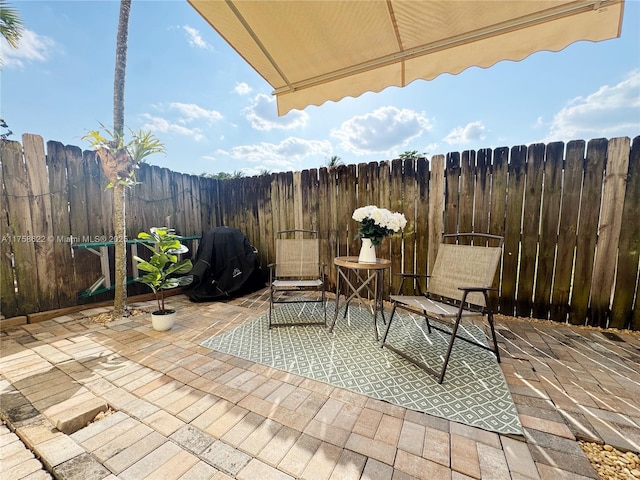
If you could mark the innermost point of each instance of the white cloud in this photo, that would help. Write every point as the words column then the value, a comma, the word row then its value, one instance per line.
column 191, row 111
column 431, row 149
column 195, row 39
column 385, row 130
column 263, row 115
column 162, row 125
column 31, row 48
column 611, row 111
column 242, row 88
column 281, row 156
column 471, row 132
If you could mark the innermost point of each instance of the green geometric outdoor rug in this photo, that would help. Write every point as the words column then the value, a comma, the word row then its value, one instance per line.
column 474, row 391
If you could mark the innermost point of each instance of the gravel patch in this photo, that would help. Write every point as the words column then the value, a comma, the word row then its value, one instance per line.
column 611, row 463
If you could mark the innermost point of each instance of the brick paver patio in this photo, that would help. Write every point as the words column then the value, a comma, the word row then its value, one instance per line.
column 182, row 411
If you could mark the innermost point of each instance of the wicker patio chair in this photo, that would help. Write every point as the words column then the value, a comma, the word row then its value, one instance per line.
column 457, row 288
column 297, row 270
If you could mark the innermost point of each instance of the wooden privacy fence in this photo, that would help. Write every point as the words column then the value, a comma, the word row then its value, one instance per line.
column 569, row 215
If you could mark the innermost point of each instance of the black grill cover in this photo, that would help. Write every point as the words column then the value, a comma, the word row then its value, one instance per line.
column 225, row 265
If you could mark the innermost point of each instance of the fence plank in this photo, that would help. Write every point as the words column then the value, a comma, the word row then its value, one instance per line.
column 138, row 207
column 176, row 183
column 225, row 189
column 399, row 202
column 269, row 229
column 609, row 228
column 247, row 200
column 21, row 226
column 629, row 246
column 99, row 204
column 332, row 228
column 216, row 210
column 343, row 211
column 42, row 225
column 349, row 174
column 192, row 202
column 285, row 198
column 253, row 193
column 239, row 195
column 551, row 197
column 323, row 218
column 530, row 229
column 436, row 208
column 421, row 228
column 298, row 201
column 482, row 188
column 452, row 193
column 58, row 184
column 99, row 200
column 568, row 226
column 136, row 202
column 373, row 190
column 587, row 229
column 511, row 256
column 193, row 205
column 275, row 205
column 8, row 299
column 244, row 205
column 166, row 197
column 308, row 210
column 408, row 207
column 499, row 175
column 86, row 264
column 467, row 180
column 99, row 215
column 185, row 197
column 209, row 203
column 149, row 192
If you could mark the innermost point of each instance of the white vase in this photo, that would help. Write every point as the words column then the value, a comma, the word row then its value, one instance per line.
column 367, row 252
column 162, row 320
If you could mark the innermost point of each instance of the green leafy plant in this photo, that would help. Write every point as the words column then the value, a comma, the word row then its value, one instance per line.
column 163, row 269
column 412, row 155
column 120, row 159
column 11, row 25
column 223, row 175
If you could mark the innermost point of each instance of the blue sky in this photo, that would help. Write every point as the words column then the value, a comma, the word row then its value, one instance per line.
column 214, row 113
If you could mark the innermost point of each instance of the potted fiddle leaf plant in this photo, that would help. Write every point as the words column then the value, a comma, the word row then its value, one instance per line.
column 164, row 270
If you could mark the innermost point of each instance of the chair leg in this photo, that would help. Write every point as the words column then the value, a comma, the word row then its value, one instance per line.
column 426, row 319
column 454, row 332
column 270, row 306
column 496, row 350
column 386, row 331
column 324, row 305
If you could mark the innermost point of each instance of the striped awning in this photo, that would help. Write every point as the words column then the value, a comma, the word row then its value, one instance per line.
column 311, row 51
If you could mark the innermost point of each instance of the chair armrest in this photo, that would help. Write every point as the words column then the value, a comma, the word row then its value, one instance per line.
column 271, row 265
column 485, row 292
column 412, row 275
column 477, row 289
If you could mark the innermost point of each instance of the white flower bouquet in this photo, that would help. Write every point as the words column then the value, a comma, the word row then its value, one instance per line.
column 377, row 223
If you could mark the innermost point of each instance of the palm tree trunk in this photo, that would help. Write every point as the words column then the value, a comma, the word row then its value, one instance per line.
column 119, row 227
column 121, row 65
column 119, row 224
